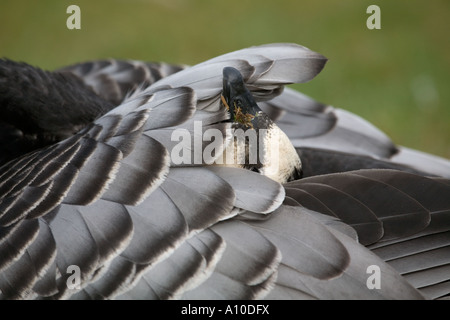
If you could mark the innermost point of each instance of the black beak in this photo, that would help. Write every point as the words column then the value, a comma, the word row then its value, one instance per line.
column 233, row 86
column 236, row 97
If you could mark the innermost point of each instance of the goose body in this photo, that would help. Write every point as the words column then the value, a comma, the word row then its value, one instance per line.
column 93, row 205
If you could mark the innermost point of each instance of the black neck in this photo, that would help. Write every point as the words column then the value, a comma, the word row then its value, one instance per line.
column 38, row 101
column 44, row 106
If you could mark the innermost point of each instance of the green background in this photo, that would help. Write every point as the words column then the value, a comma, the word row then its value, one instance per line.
column 396, row 77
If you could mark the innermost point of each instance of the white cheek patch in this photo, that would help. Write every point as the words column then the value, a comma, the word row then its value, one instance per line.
column 270, row 147
column 280, row 156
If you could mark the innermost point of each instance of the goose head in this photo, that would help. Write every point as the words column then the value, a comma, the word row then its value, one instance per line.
column 257, row 143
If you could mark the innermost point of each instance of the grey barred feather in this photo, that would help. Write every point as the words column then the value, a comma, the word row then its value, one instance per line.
column 191, row 135
column 265, row 69
column 114, row 79
column 322, row 259
column 246, row 269
column 373, row 195
column 334, row 140
column 317, row 161
column 332, row 201
column 189, row 264
column 119, row 275
column 152, row 240
column 419, row 243
column 269, row 196
column 15, row 245
column 99, row 190
column 214, row 197
column 431, row 164
column 300, row 116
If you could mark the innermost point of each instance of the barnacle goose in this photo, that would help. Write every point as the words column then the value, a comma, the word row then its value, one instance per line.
column 88, row 180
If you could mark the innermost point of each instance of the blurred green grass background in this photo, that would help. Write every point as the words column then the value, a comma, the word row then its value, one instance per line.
column 397, row 77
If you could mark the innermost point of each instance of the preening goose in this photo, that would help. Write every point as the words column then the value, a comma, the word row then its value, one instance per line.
column 102, row 196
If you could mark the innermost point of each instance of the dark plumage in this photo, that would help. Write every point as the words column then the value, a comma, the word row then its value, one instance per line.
column 39, row 108
column 92, row 184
